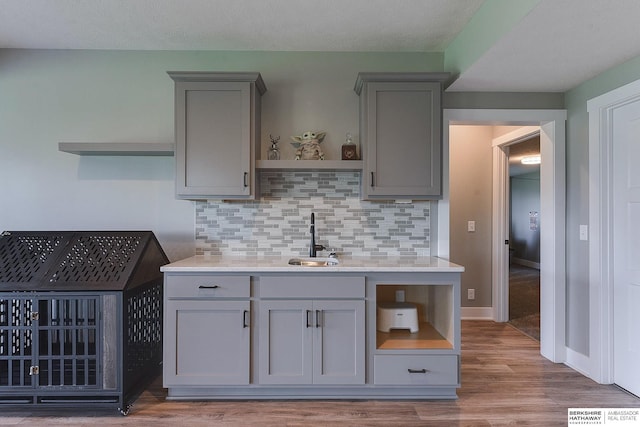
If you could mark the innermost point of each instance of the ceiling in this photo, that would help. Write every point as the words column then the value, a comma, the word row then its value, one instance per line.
column 529, row 147
column 556, row 46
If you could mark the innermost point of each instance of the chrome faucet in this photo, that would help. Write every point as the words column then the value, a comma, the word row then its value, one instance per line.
column 313, row 248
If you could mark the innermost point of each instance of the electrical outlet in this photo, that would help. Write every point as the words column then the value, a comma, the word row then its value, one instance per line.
column 400, row 295
column 471, row 226
column 471, row 294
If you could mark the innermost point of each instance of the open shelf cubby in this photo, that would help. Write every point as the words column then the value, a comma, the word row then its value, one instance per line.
column 434, row 304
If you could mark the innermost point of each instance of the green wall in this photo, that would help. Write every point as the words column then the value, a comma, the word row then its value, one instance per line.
column 578, row 195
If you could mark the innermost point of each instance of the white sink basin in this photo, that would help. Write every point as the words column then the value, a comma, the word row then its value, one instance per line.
column 314, row 262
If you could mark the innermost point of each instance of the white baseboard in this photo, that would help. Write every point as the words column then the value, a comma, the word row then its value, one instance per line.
column 476, row 313
column 578, row 362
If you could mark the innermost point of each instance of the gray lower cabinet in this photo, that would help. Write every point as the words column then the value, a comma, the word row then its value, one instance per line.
column 207, row 335
column 286, row 336
column 217, row 126
column 311, row 330
column 400, row 130
column 312, row 342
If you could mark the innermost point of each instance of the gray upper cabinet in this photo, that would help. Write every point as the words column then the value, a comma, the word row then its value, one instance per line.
column 400, row 130
column 217, row 125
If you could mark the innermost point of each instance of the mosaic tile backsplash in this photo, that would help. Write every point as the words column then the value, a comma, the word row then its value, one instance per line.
column 278, row 223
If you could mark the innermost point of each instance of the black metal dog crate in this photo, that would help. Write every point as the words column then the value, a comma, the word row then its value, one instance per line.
column 80, row 317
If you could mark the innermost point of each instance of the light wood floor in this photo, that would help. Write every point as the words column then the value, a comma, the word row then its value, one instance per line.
column 504, row 382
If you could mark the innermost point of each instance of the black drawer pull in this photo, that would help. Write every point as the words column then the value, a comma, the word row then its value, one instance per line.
column 208, row 287
column 308, row 313
column 417, row 371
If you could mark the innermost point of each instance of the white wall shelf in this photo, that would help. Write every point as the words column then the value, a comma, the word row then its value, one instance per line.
column 117, row 148
column 354, row 165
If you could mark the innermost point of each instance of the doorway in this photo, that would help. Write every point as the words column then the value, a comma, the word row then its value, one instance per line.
column 524, row 235
column 471, row 192
column 552, row 214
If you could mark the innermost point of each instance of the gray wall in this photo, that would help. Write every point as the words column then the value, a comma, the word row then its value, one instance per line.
column 48, row 97
column 504, row 100
column 470, row 160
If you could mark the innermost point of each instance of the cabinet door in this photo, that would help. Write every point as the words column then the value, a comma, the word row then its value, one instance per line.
column 206, row 343
column 402, row 130
column 213, row 139
column 285, row 335
column 339, row 342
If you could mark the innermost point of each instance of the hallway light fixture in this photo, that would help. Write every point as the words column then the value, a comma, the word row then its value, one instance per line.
column 531, row 160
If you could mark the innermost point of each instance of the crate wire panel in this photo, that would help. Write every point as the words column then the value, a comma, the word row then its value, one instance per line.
column 65, row 353
column 16, row 342
column 144, row 329
column 69, row 348
column 69, row 345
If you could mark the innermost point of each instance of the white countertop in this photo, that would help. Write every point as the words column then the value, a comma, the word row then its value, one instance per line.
column 213, row 264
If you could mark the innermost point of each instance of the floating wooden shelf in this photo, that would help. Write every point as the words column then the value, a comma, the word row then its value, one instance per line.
column 353, row 165
column 117, row 148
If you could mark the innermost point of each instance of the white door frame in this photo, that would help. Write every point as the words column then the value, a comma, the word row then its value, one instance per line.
column 600, row 111
column 552, row 212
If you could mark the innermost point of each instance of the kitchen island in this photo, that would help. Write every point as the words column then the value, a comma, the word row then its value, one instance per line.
column 259, row 328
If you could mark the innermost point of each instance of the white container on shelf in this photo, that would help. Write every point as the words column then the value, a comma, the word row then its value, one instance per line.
column 397, row 315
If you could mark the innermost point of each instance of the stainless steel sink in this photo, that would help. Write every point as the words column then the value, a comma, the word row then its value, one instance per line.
column 314, row 262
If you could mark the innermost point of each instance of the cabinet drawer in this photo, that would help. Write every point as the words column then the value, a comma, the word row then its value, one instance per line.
column 415, row 370
column 311, row 287
column 207, row 286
